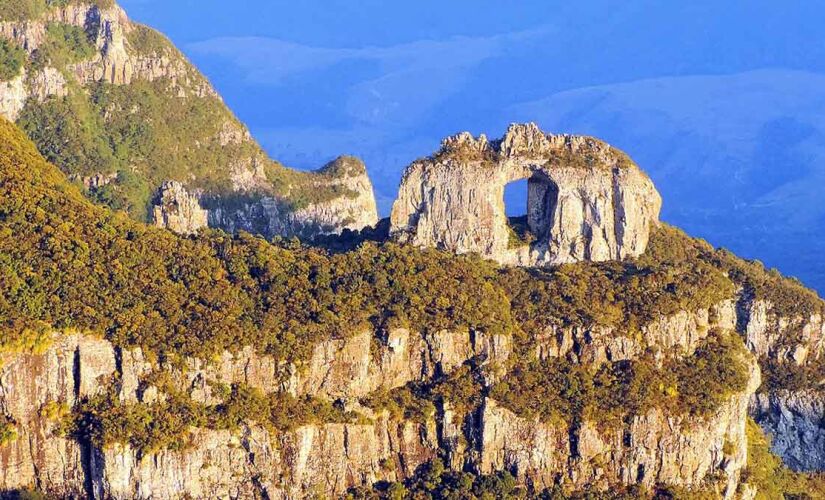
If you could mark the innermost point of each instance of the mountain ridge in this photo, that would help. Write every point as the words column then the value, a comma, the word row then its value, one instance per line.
column 386, row 340
column 121, row 110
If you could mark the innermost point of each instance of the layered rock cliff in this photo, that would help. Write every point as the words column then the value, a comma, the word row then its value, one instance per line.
column 254, row 460
column 586, row 200
column 89, row 73
column 791, row 406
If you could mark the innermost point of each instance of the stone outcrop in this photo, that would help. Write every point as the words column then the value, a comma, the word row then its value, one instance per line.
column 178, row 210
column 680, row 333
column 327, row 459
column 651, row 449
column 586, row 200
column 13, row 97
column 793, row 419
column 795, row 338
column 353, row 206
column 795, row 422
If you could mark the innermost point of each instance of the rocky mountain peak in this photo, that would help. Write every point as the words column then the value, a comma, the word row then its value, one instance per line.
column 585, row 199
column 85, row 62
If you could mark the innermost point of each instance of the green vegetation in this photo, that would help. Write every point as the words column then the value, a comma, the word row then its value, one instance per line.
column 145, row 40
column 68, row 132
column 72, row 265
column 434, row 481
column 21, row 10
column 8, row 430
column 401, row 403
column 64, row 44
column 626, row 295
column 167, row 424
column 789, row 299
column 519, row 233
column 171, row 128
column 556, row 390
column 12, row 58
column 772, row 479
column 462, row 389
column 788, row 296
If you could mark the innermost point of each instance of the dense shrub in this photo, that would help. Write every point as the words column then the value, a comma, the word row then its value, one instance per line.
column 12, row 58
column 557, row 390
column 167, row 424
column 64, row 44
column 71, row 265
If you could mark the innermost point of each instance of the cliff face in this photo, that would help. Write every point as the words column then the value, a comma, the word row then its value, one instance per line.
column 794, row 420
column 586, row 200
column 651, row 449
column 254, row 460
column 793, row 417
column 351, row 206
column 191, row 154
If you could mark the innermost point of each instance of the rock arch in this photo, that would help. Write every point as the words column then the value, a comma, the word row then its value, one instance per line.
column 586, row 200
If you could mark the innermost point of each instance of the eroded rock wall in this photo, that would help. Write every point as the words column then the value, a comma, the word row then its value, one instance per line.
column 586, row 200
column 354, row 208
column 328, row 459
column 126, row 53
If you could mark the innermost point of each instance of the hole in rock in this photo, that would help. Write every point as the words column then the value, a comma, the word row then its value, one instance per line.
column 530, row 205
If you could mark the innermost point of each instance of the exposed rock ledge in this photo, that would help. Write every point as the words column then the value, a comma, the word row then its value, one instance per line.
column 327, row 459
column 354, row 208
column 795, row 422
column 586, row 200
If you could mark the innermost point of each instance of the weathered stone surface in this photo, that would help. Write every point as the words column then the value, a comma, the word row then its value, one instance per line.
column 654, row 448
column 270, row 216
column 328, row 459
column 73, row 367
column 678, row 334
column 586, row 200
column 795, row 422
column 175, row 208
column 185, row 212
column 798, row 338
column 13, row 97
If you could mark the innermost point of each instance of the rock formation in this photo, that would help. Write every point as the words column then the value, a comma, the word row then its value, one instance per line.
column 793, row 418
column 327, row 459
column 352, row 206
column 178, row 210
column 244, row 190
column 586, row 200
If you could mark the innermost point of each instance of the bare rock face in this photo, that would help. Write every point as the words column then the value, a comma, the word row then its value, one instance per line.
column 652, row 449
column 795, row 421
column 350, row 206
column 13, row 97
column 586, row 200
column 326, row 459
column 178, row 210
column 73, row 367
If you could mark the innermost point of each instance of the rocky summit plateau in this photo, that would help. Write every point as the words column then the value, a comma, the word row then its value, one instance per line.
column 160, row 338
